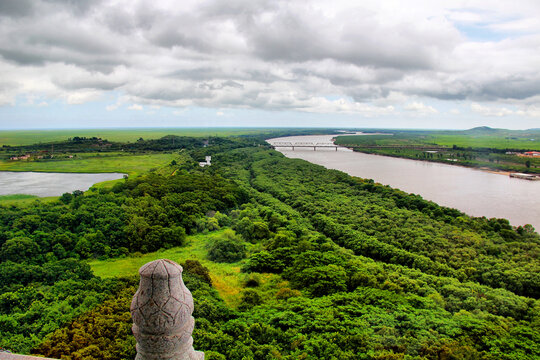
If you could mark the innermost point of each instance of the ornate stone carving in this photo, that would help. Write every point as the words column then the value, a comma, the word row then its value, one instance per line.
column 161, row 310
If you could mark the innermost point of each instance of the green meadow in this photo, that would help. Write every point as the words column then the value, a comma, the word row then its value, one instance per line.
column 493, row 139
column 132, row 164
column 485, row 141
column 25, row 201
column 28, row 137
column 16, row 197
column 226, row 277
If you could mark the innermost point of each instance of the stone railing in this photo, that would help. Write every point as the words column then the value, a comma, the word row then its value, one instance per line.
column 161, row 310
column 9, row 356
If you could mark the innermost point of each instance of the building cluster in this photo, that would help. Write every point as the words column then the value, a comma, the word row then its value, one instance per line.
column 22, row 157
column 526, row 153
column 531, row 153
column 207, row 162
column 34, row 157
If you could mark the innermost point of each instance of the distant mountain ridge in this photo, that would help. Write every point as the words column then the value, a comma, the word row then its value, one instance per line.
column 487, row 129
column 484, row 128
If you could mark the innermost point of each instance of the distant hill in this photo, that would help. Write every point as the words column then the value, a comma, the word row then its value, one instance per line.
column 490, row 130
column 484, row 128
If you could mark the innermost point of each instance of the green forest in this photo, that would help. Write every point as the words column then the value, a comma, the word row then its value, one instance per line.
column 285, row 260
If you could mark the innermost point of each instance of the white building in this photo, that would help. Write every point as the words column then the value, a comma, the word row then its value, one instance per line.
column 207, row 162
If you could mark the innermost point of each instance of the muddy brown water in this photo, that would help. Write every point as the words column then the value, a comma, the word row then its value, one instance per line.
column 475, row 192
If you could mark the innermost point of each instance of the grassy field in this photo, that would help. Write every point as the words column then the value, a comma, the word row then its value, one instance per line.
column 227, row 278
column 493, row 142
column 494, row 139
column 22, row 200
column 28, row 137
column 17, row 197
column 94, row 163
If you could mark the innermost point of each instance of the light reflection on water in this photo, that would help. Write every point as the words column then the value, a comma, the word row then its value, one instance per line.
column 49, row 184
column 475, row 192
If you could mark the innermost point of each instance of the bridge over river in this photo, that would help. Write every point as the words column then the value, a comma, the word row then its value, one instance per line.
column 475, row 192
column 283, row 144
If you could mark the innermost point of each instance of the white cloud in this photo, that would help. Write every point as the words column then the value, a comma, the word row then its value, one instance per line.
column 136, row 107
column 35, row 101
column 523, row 25
column 78, row 97
column 490, row 111
column 7, row 99
column 342, row 106
column 530, row 111
column 420, row 108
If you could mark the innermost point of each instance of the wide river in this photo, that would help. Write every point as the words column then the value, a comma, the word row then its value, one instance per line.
column 475, row 192
column 49, row 184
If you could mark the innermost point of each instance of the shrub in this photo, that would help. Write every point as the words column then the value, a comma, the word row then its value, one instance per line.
column 194, row 267
column 286, row 293
column 253, row 280
column 249, row 299
column 226, row 248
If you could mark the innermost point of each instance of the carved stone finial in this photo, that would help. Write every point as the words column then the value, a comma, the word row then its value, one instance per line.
column 161, row 310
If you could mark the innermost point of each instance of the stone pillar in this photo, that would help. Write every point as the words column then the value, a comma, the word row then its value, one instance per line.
column 161, row 310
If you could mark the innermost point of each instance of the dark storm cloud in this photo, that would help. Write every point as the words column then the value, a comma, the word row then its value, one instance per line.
column 75, row 83
column 16, row 8
column 228, row 83
column 39, row 56
column 511, row 88
column 22, row 57
column 237, row 9
column 72, row 39
column 359, row 40
column 78, row 7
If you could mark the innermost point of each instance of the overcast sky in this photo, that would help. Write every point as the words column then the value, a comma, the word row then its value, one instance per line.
column 383, row 63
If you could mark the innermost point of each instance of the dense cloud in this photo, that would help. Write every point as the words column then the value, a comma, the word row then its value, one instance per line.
column 314, row 56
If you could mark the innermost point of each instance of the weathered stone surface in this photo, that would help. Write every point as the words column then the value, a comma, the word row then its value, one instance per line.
column 161, row 310
column 9, row 356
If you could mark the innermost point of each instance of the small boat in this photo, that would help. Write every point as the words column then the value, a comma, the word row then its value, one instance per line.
column 525, row 176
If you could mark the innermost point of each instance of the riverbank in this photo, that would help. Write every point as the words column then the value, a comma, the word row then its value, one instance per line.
column 486, row 169
column 494, row 149
column 483, row 168
column 449, row 157
column 475, row 191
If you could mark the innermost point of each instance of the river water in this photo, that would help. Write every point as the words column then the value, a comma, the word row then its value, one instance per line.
column 49, row 184
column 475, row 192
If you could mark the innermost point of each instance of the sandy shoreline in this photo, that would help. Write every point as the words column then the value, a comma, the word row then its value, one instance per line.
column 500, row 172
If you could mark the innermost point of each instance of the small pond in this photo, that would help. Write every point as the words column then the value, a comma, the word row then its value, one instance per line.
column 49, row 184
